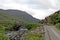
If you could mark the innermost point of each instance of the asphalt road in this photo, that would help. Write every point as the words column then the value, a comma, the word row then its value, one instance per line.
column 51, row 33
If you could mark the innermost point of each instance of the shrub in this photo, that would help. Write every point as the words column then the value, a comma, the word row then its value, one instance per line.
column 32, row 25
column 58, row 26
column 2, row 33
column 3, row 36
column 33, row 36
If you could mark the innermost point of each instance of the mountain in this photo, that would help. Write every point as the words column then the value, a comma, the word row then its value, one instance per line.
column 17, row 14
column 53, row 18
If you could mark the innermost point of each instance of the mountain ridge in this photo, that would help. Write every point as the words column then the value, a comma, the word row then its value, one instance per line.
column 19, row 14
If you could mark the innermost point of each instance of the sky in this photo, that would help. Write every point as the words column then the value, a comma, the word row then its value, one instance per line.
column 37, row 8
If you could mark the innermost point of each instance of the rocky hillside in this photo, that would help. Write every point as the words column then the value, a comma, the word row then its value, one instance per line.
column 53, row 18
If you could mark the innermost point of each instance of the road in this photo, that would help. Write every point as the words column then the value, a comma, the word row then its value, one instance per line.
column 51, row 33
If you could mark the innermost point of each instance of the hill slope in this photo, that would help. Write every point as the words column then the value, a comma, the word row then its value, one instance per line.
column 17, row 14
column 53, row 19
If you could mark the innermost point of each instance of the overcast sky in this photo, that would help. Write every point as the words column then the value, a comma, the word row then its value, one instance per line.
column 37, row 8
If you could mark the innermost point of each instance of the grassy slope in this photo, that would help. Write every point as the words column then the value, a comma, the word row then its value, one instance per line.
column 54, row 19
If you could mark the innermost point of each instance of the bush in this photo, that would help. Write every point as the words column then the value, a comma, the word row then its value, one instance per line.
column 32, row 25
column 3, row 36
column 33, row 36
column 58, row 26
column 28, row 26
column 9, row 27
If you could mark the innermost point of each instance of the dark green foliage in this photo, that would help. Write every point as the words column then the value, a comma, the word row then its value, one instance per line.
column 32, row 25
column 28, row 26
column 8, row 24
column 54, row 18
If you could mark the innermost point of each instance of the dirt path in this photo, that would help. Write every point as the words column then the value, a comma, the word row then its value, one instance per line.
column 52, row 33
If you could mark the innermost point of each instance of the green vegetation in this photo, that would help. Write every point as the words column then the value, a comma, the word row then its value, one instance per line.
column 8, row 17
column 2, row 33
column 3, row 36
column 54, row 19
column 32, row 25
column 58, row 26
column 10, row 25
column 7, row 25
column 33, row 36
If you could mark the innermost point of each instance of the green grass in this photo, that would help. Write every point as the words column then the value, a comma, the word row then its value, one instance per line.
column 33, row 36
column 58, row 26
column 2, row 33
column 3, row 37
column 9, row 17
column 5, row 25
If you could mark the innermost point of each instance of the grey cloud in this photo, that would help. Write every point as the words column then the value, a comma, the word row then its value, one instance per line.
column 35, row 4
